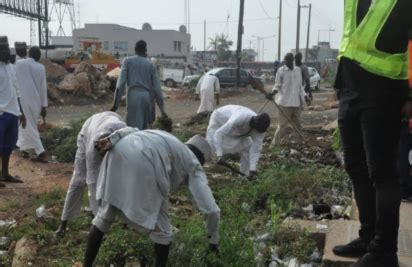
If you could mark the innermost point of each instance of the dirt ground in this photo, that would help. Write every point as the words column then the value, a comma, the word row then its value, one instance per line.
column 40, row 177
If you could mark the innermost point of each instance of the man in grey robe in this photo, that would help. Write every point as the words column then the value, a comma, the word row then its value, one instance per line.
column 143, row 89
column 136, row 179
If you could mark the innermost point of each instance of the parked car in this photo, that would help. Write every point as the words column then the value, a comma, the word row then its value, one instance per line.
column 227, row 76
column 188, row 79
column 314, row 79
column 172, row 77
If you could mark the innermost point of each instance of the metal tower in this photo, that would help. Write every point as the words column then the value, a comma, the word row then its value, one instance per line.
column 63, row 9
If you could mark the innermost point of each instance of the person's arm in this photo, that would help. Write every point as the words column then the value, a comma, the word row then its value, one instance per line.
column 120, row 86
column 158, row 90
column 278, row 82
column 198, row 85
column 16, row 88
column 43, row 93
column 255, row 150
column 205, row 202
column 217, row 89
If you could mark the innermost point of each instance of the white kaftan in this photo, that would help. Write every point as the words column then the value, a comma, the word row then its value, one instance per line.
column 229, row 132
column 31, row 78
column 207, row 86
column 137, row 177
column 88, row 161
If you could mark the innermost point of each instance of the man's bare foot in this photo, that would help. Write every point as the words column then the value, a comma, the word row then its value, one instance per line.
column 11, row 179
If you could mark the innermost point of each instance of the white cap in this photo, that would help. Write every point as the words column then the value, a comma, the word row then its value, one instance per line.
column 200, row 143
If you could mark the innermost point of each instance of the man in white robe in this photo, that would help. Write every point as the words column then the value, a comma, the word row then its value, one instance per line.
column 236, row 129
column 87, row 164
column 136, row 179
column 10, row 111
column 31, row 77
column 207, row 87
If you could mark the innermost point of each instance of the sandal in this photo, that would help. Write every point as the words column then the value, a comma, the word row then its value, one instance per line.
column 42, row 158
column 11, row 179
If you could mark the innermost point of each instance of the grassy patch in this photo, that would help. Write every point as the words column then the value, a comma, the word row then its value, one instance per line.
column 62, row 141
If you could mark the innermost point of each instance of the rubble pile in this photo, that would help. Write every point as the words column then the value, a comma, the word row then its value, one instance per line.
column 85, row 81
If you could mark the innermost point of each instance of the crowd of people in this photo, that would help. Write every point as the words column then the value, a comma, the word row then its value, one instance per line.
column 131, row 170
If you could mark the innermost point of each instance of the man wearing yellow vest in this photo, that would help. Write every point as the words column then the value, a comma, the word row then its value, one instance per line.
column 372, row 86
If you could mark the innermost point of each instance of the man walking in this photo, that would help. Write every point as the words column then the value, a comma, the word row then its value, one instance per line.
column 235, row 129
column 31, row 77
column 373, row 89
column 289, row 95
column 143, row 89
column 305, row 75
column 87, row 164
column 21, row 50
column 10, row 110
column 137, row 177
column 207, row 87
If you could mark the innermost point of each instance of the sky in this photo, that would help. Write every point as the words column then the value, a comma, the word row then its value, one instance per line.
column 261, row 20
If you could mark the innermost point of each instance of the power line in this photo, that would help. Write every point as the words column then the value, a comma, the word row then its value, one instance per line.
column 264, row 10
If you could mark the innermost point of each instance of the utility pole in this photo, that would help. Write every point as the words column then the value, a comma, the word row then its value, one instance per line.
column 308, row 34
column 280, row 31
column 204, row 42
column 298, row 29
column 239, row 40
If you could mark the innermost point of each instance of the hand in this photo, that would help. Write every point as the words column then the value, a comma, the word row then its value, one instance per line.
column 60, row 231
column 213, row 248
column 271, row 95
column 103, row 145
column 252, row 175
column 23, row 121
column 308, row 100
column 43, row 112
column 113, row 109
column 407, row 109
column 220, row 161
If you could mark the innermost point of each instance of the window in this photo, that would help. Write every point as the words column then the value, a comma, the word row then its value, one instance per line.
column 121, row 46
column 106, row 46
column 225, row 73
column 178, row 46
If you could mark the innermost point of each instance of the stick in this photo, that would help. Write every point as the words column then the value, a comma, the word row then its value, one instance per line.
column 263, row 106
column 289, row 120
column 228, row 166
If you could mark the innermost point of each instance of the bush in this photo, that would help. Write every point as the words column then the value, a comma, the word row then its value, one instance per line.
column 62, row 141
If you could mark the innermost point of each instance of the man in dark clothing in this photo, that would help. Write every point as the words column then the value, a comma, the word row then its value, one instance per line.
column 372, row 97
column 305, row 75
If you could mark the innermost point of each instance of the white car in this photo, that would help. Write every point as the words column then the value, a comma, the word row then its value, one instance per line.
column 314, row 79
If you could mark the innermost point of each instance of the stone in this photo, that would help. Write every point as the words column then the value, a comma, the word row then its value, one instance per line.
column 24, row 253
column 54, row 72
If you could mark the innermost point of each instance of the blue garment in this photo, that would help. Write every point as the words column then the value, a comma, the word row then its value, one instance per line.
column 143, row 89
column 9, row 129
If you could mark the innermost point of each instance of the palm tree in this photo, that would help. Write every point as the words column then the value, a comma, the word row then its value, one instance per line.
column 221, row 44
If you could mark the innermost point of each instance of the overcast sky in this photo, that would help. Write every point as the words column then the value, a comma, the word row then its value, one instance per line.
column 261, row 19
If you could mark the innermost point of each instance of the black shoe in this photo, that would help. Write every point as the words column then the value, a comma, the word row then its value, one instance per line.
column 354, row 249
column 377, row 260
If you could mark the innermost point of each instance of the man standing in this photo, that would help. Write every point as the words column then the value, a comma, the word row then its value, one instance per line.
column 31, row 77
column 207, row 87
column 143, row 89
column 10, row 110
column 305, row 75
column 87, row 164
column 138, row 175
column 290, row 97
column 236, row 129
column 373, row 89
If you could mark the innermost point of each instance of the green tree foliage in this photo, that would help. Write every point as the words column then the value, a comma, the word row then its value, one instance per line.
column 221, row 44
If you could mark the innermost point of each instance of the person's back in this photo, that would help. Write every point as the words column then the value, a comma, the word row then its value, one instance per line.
column 30, row 74
column 228, row 112
column 139, row 73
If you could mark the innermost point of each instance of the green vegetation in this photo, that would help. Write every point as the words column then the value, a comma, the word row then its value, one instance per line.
column 62, row 141
column 337, row 143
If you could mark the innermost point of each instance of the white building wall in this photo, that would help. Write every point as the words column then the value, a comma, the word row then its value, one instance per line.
column 159, row 42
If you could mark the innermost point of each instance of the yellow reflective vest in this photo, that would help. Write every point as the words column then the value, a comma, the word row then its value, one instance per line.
column 359, row 41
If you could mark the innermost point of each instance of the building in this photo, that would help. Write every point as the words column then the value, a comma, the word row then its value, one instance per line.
column 320, row 53
column 172, row 46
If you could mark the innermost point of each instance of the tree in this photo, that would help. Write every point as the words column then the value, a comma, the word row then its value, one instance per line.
column 221, row 44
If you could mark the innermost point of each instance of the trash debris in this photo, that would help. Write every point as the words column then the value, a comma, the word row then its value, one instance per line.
column 322, row 227
column 264, row 238
column 316, row 256
column 337, row 211
column 7, row 224
column 294, row 152
column 40, row 211
column 4, row 253
column 245, row 206
column 4, row 242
